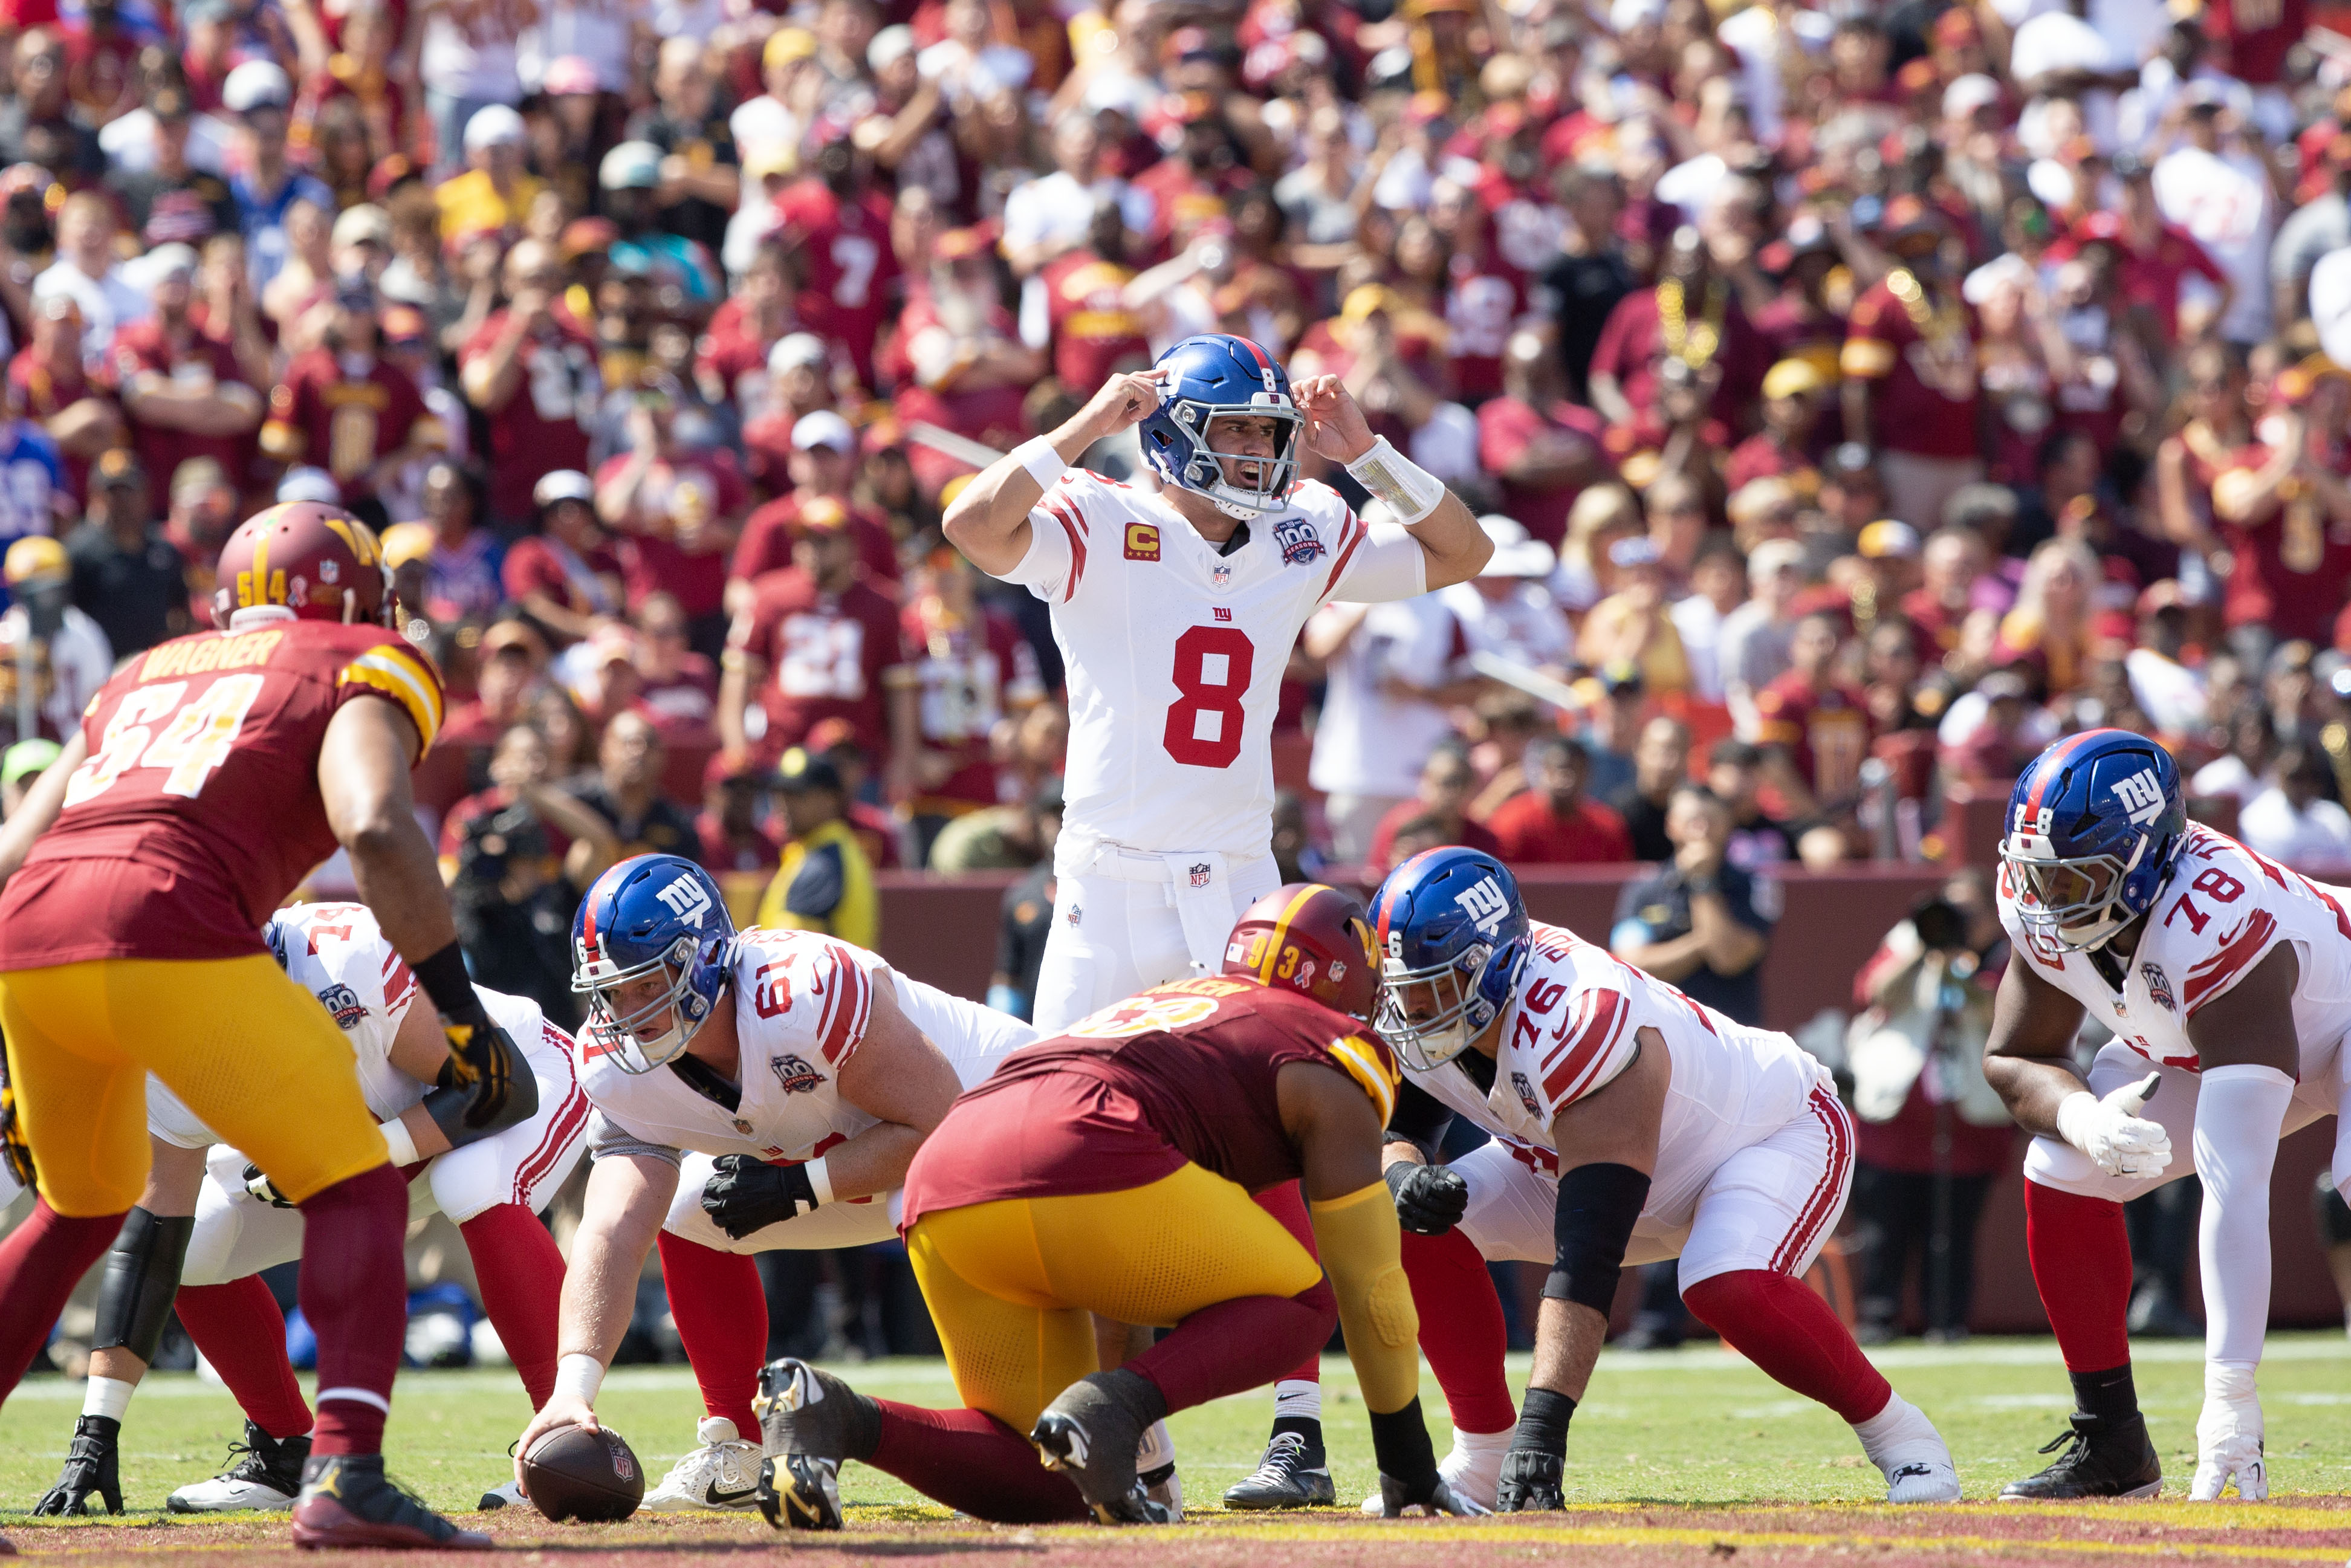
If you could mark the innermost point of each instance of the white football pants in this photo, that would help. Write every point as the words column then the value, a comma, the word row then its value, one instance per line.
column 1130, row 920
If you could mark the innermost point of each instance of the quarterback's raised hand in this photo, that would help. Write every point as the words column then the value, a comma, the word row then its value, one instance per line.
column 1532, row 1481
column 1336, row 425
column 1125, row 400
column 743, row 1195
column 1430, row 1199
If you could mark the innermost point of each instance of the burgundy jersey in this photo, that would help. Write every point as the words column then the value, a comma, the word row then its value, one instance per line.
column 198, row 810
column 1182, row 1072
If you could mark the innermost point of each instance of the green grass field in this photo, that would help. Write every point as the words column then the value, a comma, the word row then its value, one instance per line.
column 1675, row 1457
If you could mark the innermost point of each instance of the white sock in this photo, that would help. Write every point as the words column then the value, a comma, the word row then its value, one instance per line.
column 108, row 1396
column 2239, row 1110
column 1900, row 1422
column 1298, row 1400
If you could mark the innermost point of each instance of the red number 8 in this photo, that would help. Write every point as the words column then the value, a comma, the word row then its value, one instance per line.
column 2224, row 888
column 1194, row 649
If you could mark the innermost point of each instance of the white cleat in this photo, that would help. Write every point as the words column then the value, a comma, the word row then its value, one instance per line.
column 2229, row 1438
column 1904, row 1444
column 1472, row 1469
column 507, row 1496
column 721, row 1476
column 264, row 1475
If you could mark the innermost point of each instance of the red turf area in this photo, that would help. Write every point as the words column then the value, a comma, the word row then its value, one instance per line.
column 2313, row 1532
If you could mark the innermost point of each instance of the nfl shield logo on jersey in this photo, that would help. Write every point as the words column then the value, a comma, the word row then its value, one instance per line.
column 797, row 1076
column 1526, row 1094
column 345, row 1004
column 1301, row 545
column 2158, row 987
column 1200, row 875
column 1221, row 576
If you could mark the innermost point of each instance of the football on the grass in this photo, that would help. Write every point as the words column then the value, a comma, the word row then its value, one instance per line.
column 572, row 1472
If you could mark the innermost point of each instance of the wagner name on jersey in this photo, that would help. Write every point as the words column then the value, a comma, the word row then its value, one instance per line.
column 1572, row 1027
column 1176, row 647
column 801, row 1004
column 2224, row 910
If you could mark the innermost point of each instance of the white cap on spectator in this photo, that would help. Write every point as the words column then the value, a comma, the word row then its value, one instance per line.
column 257, row 84
column 563, row 484
column 633, row 165
column 2330, row 304
column 1995, row 274
column 1773, row 556
column 307, row 484
column 823, row 428
column 1625, row 15
column 890, row 45
column 1515, row 555
column 494, row 125
column 364, row 223
column 1971, row 92
column 165, row 262
column 794, row 350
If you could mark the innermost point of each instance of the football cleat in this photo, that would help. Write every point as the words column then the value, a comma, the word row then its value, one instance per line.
column 346, row 1500
column 2120, row 1462
column 721, row 1474
column 499, row 1496
column 809, row 1422
column 1906, row 1447
column 1291, row 1474
column 263, row 1475
column 1091, row 1433
column 91, row 1468
column 2229, row 1439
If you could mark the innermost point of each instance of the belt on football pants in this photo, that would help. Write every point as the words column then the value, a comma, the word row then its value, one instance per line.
column 1198, row 884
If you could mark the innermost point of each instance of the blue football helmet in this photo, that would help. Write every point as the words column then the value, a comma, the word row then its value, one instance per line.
column 651, row 915
column 2093, row 828
column 1207, row 377
column 1451, row 919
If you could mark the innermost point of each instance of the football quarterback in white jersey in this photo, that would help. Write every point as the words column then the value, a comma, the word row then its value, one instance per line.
column 209, row 1217
column 753, row 1091
column 1175, row 610
column 2226, row 980
column 1630, row 1124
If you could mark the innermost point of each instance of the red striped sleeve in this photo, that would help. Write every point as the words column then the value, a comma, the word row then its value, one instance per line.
column 1356, row 533
column 851, row 1007
column 1073, row 523
column 1602, row 1017
column 2223, row 968
column 399, row 984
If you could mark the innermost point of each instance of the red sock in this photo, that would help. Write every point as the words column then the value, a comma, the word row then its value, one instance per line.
column 1237, row 1345
column 2082, row 1265
column 721, row 1312
column 520, row 1271
column 1287, row 1203
column 1781, row 1325
column 1462, row 1332
column 41, row 1261
column 970, row 1460
column 242, row 1333
column 355, row 1293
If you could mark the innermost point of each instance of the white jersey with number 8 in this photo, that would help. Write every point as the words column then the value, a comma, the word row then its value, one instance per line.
column 1176, row 653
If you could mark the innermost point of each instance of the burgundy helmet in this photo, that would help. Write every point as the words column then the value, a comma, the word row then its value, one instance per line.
column 1313, row 939
column 317, row 560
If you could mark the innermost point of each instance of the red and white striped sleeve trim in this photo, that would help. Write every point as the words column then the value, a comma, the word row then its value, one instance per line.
column 399, row 984
column 1590, row 1046
column 2236, row 957
column 1066, row 511
column 848, row 992
column 1351, row 535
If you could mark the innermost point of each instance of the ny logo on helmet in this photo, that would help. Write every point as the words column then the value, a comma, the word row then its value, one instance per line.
column 2141, row 797
column 687, row 901
column 1483, row 902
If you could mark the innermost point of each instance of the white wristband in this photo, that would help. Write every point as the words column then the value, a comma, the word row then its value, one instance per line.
column 1410, row 491
column 819, row 1180
column 580, row 1377
column 1043, row 461
column 2070, row 1112
column 396, row 1139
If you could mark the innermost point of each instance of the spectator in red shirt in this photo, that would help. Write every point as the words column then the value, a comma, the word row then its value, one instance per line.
column 183, row 391
column 344, row 408
column 1094, row 334
column 674, row 501
column 564, row 577
column 1447, row 783
column 969, row 369
column 1816, row 725
column 816, row 641
column 1909, row 364
column 47, row 385
column 732, row 836
column 1552, row 823
column 839, row 225
column 1692, row 315
column 532, row 370
column 732, row 359
column 823, row 473
column 1543, row 448
column 1788, row 446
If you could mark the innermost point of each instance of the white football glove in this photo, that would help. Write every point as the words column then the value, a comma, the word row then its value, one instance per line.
column 2229, row 1438
column 2111, row 1131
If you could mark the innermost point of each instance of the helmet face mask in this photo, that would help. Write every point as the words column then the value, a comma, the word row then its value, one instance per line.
column 1225, row 479
column 652, row 950
column 622, row 1034
column 1456, row 936
column 1213, row 377
column 2095, row 824
column 2071, row 902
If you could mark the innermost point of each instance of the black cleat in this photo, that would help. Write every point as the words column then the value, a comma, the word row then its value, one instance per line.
column 1291, row 1475
column 2120, row 1461
column 91, row 1465
column 809, row 1421
column 1090, row 1433
column 264, row 1473
column 347, row 1501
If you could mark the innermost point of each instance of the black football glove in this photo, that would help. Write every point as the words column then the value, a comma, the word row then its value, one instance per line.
column 1532, row 1480
column 258, row 1184
column 743, row 1195
column 481, row 1061
column 16, row 1154
column 1430, row 1199
column 91, row 1466
column 1436, row 1495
